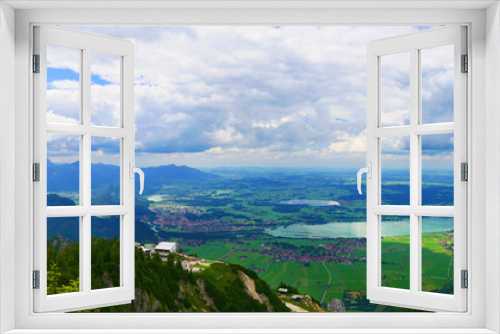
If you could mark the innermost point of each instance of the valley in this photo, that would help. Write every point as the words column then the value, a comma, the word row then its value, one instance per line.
column 244, row 217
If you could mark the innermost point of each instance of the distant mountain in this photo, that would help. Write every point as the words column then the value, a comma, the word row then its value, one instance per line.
column 173, row 173
column 65, row 177
column 102, row 227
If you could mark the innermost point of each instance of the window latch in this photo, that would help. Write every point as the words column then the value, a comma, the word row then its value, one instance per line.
column 368, row 171
column 139, row 171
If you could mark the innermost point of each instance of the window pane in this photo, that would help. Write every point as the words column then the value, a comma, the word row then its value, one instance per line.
column 105, row 171
column 395, row 252
column 437, row 170
column 63, row 255
column 105, row 256
column 395, row 170
column 63, row 84
column 395, row 89
column 437, row 66
column 437, row 254
column 105, row 89
column 63, row 169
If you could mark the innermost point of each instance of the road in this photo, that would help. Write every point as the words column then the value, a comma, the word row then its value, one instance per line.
column 295, row 308
column 329, row 283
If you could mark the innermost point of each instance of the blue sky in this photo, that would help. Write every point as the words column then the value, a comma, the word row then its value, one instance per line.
column 250, row 96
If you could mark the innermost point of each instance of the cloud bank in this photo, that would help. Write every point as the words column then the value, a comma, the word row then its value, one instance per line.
column 249, row 96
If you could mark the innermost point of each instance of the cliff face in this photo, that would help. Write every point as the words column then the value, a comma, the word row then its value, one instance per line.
column 220, row 288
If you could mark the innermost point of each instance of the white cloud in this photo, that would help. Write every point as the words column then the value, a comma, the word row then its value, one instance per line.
column 63, row 104
column 265, row 93
column 53, row 117
column 105, row 105
column 66, row 84
column 348, row 144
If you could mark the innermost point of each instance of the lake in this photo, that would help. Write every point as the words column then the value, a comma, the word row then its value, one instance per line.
column 155, row 198
column 309, row 202
column 358, row 229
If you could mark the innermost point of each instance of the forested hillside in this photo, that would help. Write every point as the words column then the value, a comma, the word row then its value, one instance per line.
column 162, row 286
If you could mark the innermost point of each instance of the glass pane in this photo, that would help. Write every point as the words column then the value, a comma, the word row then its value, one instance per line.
column 396, row 252
column 63, row 169
column 437, row 254
column 63, row 84
column 395, row 89
column 105, row 89
column 105, row 251
column 437, row 170
column 437, row 66
column 105, row 171
column 63, row 255
column 395, row 170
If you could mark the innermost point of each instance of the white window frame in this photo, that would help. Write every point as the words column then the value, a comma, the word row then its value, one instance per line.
column 483, row 102
column 85, row 298
column 413, row 44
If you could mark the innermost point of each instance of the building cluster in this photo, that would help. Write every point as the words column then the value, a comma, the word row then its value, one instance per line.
column 334, row 252
column 163, row 249
column 190, row 219
column 194, row 265
column 295, row 297
column 447, row 244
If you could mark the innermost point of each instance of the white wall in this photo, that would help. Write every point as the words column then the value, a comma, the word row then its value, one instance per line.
column 7, row 160
column 477, row 126
column 492, row 163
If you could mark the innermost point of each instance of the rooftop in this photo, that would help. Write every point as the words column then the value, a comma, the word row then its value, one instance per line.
column 166, row 246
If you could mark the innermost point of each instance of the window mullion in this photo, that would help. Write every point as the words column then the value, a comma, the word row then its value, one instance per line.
column 85, row 179
column 86, row 254
column 86, row 142
column 414, row 170
column 85, row 87
column 85, row 245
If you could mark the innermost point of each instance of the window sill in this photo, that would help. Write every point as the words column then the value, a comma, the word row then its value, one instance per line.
column 251, row 331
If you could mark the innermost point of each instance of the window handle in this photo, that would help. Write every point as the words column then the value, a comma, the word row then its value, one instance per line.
column 368, row 171
column 139, row 171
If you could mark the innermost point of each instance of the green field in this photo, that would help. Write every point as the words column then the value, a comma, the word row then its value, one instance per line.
column 242, row 207
column 396, row 262
column 312, row 278
column 249, row 260
column 226, row 216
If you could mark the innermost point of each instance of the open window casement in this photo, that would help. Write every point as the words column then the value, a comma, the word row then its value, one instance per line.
column 413, row 136
column 80, row 135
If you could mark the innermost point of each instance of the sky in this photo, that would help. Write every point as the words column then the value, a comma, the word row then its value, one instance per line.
column 251, row 96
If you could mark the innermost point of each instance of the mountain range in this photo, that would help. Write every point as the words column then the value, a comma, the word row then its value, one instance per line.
column 65, row 177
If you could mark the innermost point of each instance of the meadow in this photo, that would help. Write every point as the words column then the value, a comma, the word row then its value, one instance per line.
column 312, row 278
column 246, row 203
column 225, row 215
